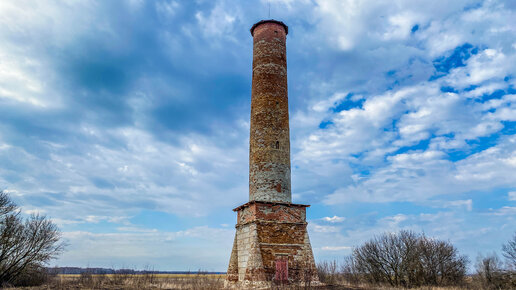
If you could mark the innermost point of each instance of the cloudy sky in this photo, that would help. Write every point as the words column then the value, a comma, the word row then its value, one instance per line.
column 127, row 122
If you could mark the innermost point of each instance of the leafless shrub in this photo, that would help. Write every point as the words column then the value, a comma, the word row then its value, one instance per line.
column 328, row 272
column 120, row 277
column 492, row 275
column 145, row 279
column 32, row 275
column 26, row 245
column 86, row 279
column 100, row 280
column 509, row 252
column 350, row 272
column 407, row 259
column 6, row 205
column 440, row 263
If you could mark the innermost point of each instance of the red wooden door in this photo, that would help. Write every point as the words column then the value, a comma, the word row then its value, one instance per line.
column 281, row 270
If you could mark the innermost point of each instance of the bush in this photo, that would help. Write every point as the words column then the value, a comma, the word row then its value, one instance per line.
column 328, row 272
column 509, row 252
column 492, row 275
column 32, row 276
column 26, row 245
column 350, row 271
column 409, row 260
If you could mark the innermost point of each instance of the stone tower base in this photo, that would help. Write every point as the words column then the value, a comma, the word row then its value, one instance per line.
column 271, row 246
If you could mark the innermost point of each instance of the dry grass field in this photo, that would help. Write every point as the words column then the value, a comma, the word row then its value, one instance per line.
column 206, row 281
column 141, row 276
column 133, row 281
column 174, row 281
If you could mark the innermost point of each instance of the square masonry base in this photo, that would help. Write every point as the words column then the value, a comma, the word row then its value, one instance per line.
column 271, row 246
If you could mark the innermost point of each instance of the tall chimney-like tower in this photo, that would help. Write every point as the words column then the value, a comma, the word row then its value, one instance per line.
column 269, row 144
column 271, row 242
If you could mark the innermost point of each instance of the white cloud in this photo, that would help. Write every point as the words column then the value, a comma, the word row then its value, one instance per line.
column 334, row 219
column 221, row 20
column 137, row 248
column 511, row 195
column 508, row 211
column 167, row 9
column 136, row 230
column 468, row 204
column 323, row 229
column 33, row 211
column 337, row 248
column 369, row 135
column 401, row 25
column 419, row 176
column 92, row 185
column 29, row 31
column 489, row 64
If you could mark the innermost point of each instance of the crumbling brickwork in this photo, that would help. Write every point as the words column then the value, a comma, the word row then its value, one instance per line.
column 265, row 233
column 269, row 145
column 271, row 241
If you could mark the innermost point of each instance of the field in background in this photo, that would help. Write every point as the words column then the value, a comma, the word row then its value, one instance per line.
column 135, row 281
column 157, row 276
column 185, row 281
column 332, row 278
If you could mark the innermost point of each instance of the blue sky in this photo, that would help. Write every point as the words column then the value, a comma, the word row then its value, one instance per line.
column 127, row 123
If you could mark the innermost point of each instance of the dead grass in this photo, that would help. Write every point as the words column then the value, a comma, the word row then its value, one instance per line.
column 133, row 281
column 189, row 281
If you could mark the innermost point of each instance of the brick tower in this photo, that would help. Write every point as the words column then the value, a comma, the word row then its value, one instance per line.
column 271, row 242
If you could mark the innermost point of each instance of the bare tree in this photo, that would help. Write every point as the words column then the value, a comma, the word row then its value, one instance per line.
column 491, row 275
column 387, row 258
column 26, row 245
column 409, row 260
column 328, row 272
column 440, row 262
column 509, row 252
column 349, row 271
column 6, row 205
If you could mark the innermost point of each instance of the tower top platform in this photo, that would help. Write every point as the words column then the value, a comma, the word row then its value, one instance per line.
column 269, row 21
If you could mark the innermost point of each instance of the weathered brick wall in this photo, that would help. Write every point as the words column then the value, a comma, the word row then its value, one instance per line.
column 281, row 212
column 269, row 152
column 281, row 233
column 243, row 240
column 232, row 273
column 268, row 231
column 271, row 231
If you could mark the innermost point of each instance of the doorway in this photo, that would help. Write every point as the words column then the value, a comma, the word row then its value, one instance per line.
column 281, row 269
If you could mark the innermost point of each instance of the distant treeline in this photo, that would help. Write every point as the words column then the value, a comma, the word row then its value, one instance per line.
column 79, row 270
